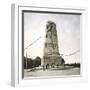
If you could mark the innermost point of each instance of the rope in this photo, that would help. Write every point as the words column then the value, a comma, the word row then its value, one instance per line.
column 32, row 43
column 71, row 53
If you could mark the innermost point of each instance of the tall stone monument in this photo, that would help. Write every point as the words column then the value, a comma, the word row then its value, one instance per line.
column 51, row 50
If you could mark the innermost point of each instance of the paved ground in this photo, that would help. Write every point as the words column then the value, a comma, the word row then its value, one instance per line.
column 50, row 72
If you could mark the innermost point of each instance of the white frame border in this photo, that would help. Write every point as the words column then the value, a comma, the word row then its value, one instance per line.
column 16, row 43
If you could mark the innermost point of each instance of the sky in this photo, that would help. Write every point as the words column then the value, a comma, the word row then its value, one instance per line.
column 68, row 31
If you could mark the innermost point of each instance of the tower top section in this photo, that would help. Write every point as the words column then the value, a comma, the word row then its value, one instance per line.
column 51, row 22
column 50, row 26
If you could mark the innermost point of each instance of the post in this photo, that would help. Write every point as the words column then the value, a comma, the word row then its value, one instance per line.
column 26, row 60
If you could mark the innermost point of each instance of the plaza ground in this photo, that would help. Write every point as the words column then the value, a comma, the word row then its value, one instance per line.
column 51, row 72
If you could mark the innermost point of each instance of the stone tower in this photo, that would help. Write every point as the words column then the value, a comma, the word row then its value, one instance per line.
column 51, row 50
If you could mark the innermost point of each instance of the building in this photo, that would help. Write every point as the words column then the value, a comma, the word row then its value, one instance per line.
column 51, row 50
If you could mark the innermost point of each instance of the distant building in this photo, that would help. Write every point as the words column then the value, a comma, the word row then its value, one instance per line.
column 51, row 50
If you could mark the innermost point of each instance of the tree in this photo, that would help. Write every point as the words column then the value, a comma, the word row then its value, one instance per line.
column 37, row 61
column 62, row 61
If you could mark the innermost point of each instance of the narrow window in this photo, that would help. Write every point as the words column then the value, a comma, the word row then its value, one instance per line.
column 46, row 45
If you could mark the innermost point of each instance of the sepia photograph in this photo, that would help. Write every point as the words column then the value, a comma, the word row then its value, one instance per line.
column 51, row 44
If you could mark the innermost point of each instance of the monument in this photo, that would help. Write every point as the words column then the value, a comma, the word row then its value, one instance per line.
column 51, row 50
